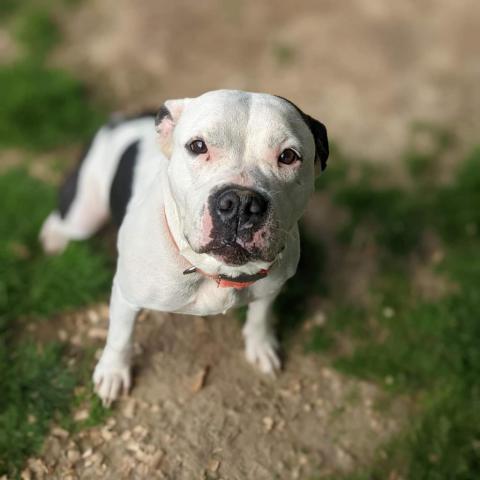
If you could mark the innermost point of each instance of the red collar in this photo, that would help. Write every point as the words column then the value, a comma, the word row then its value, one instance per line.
column 243, row 280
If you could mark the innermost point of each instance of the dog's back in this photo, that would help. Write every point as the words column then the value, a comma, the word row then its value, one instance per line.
column 102, row 182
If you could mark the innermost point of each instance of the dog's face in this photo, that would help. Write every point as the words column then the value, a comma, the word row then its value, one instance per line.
column 242, row 167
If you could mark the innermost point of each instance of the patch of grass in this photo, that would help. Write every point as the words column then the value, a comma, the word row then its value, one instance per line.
column 8, row 8
column 45, row 108
column 351, row 319
column 321, row 340
column 347, row 320
column 395, row 216
column 37, row 32
column 427, row 144
column 455, row 208
column 283, row 53
column 36, row 384
column 429, row 350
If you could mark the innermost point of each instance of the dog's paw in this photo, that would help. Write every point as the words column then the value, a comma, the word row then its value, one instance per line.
column 111, row 378
column 53, row 239
column 261, row 350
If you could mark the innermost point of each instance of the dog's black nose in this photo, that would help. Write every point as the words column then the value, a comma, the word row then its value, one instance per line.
column 241, row 208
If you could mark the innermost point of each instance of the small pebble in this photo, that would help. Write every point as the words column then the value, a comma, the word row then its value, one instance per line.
column 87, row 453
column 268, row 423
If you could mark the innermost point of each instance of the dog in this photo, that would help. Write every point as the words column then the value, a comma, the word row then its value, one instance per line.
column 207, row 193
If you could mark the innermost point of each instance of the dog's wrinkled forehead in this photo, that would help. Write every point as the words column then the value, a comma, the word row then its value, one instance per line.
column 228, row 119
column 233, row 119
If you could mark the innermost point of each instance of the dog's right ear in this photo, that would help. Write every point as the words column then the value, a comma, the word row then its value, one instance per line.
column 165, row 121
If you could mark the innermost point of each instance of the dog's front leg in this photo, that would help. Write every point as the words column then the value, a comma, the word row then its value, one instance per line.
column 261, row 344
column 112, row 373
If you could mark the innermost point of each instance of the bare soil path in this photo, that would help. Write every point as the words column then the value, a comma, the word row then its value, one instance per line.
column 199, row 411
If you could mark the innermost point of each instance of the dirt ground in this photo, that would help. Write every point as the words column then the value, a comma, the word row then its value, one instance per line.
column 368, row 69
column 199, row 411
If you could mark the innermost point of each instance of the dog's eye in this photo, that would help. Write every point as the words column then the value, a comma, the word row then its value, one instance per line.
column 198, row 147
column 288, row 156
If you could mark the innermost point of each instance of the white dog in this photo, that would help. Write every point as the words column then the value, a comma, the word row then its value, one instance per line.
column 207, row 195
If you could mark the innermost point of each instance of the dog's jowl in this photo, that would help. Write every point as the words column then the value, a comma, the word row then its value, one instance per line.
column 207, row 195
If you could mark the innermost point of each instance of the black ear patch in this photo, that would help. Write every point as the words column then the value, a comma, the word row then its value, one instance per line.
column 319, row 132
column 164, row 112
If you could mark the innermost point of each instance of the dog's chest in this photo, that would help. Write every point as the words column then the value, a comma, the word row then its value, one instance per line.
column 210, row 299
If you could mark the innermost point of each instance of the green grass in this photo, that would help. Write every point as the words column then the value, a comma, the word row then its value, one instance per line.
column 45, row 107
column 35, row 387
column 429, row 350
column 42, row 108
column 399, row 215
column 37, row 32
column 36, row 384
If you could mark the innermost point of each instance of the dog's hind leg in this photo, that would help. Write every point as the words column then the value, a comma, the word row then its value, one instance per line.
column 83, row 200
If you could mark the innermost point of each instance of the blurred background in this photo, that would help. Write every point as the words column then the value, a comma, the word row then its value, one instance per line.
column 367, row 68
column 380, row 326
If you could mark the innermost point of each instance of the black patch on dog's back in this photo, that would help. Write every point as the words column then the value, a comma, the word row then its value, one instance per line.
column 68, row 190
column 121, row 189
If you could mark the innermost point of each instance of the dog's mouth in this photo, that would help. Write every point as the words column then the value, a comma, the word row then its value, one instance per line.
column 232, row 253
column 235, row 254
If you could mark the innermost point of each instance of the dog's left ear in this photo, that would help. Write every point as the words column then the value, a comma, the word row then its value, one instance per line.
column 166, row 120
column 319, row 132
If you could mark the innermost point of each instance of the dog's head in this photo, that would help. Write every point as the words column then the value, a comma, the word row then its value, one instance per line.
column 241, row 169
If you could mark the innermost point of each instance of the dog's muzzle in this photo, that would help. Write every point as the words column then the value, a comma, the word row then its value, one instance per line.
column 237, row 213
